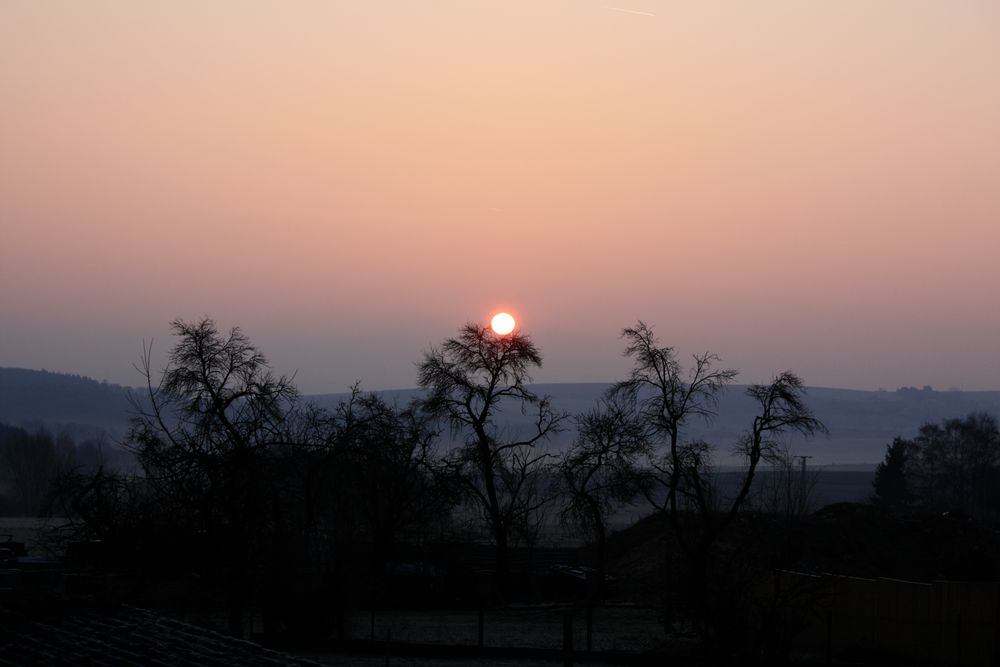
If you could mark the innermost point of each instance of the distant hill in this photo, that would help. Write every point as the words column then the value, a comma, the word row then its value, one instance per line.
column 32, row 398
column 861, row 423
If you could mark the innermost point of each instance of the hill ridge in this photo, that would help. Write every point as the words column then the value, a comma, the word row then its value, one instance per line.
column 861, row 422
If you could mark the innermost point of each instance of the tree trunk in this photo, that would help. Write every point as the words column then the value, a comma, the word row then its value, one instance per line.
column 602, row 565
column 502, row 580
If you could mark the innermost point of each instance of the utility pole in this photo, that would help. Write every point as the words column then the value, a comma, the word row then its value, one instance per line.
column 802, row 503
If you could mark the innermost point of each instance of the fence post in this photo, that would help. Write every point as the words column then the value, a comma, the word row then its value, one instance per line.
column 958, row 638
column 568, row 639
column 829, row 636
column 590, row 627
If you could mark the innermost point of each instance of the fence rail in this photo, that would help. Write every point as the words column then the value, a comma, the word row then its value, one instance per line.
column 606, row 628
column 942, row 622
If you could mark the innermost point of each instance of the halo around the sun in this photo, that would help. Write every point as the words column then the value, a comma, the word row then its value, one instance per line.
column 502, row 324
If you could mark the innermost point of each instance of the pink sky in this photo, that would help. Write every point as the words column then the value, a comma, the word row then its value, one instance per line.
column 797, row 184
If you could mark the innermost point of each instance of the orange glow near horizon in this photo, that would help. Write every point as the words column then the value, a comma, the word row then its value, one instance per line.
column 803, row 185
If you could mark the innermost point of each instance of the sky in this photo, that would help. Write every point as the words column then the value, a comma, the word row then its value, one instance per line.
column 799, row 184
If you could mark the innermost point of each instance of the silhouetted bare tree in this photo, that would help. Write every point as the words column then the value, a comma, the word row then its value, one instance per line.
column 351, row 490
column 285, row 503
column 385, row 450
column 470, row 380
column 204, row 434
column 102, row 504
column 668, row 397
column 601, row 471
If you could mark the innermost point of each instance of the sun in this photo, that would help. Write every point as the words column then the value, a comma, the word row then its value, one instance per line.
column 502, row 324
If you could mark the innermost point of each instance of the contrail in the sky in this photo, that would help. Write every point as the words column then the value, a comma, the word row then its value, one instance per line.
column 631, row 11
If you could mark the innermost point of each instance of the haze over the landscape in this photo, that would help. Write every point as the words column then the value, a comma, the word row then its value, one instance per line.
column 803, row 185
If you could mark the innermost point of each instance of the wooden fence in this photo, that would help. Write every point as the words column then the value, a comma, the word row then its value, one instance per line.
column 941, row 622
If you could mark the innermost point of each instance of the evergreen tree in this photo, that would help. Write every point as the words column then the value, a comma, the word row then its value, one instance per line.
column 891, row 488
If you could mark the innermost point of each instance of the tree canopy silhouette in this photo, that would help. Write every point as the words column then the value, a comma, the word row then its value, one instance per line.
column 471, row 379
column 205, row 435
column 951, row 466
column 601, row 470
column 667, row 397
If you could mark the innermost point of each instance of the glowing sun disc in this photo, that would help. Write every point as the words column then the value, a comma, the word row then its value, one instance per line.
column 502, row 324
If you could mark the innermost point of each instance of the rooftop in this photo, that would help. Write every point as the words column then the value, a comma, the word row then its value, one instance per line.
column 120, row 635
